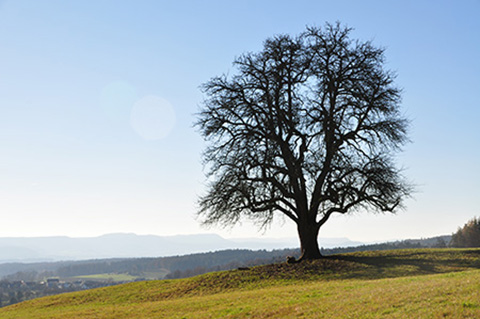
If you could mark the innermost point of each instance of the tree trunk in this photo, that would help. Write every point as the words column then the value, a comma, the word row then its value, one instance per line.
column 309, row 241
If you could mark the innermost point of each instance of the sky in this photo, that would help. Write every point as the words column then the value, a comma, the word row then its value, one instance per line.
column 98, row 101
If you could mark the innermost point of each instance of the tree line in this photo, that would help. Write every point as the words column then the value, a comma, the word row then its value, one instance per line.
column 468, row 235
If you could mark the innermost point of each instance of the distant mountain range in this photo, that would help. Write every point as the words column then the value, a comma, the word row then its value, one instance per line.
column 38, row 249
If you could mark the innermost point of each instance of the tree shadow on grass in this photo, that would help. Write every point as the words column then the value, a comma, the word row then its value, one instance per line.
column 409, row 263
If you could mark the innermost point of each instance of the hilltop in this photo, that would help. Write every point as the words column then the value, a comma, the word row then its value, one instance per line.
column 420, row 283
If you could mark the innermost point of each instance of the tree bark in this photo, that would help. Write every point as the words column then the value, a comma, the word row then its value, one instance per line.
column 308, row 234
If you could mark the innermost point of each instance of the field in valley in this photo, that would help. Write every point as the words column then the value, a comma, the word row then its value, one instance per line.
column 413, row 283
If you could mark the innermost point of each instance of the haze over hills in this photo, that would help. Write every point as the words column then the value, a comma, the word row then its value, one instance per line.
column 36, row 249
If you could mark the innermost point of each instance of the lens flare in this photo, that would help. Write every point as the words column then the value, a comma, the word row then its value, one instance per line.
column 152, row 117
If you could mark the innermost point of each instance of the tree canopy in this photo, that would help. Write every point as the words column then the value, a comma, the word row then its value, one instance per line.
column 306, row 128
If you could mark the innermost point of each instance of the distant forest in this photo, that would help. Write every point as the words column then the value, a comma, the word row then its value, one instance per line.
column 187, row 265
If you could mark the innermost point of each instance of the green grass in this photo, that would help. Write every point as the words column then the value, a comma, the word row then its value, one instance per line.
column 440, row 283
column 110, row 277
column 155, row 275
column 115, row 277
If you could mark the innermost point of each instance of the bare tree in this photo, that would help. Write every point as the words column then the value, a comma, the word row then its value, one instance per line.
column 307, row 127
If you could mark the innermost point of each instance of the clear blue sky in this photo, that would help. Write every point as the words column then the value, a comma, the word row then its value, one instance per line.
column 97, row 101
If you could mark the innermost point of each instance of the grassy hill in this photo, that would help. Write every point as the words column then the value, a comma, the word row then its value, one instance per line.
column 412, row 283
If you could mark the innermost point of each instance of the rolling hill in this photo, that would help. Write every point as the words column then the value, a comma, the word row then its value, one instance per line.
column 410, row 283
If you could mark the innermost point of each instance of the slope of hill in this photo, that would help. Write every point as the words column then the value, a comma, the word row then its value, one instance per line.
column 412, row 283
